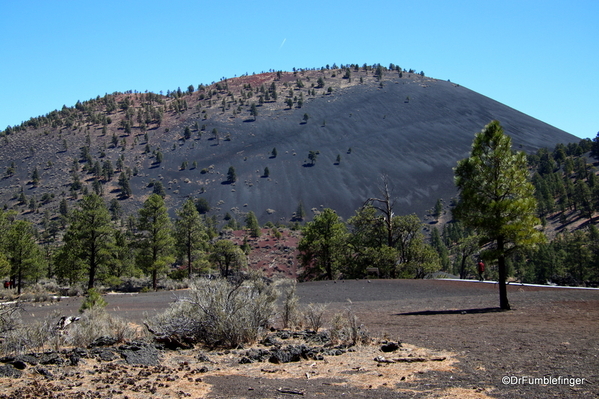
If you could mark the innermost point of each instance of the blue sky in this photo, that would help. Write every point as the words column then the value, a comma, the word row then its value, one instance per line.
column 539, row 57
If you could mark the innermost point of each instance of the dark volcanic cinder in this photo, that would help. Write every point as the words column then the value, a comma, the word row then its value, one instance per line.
column 413, row 129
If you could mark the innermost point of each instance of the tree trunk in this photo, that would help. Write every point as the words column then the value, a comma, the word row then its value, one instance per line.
column 92, row 263
column 463, row 268
column 189, row 261
column 20, row 280
column 92, row 276
column 503, row 302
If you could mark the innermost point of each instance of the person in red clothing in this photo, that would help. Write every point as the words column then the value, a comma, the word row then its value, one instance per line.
column 481, row 270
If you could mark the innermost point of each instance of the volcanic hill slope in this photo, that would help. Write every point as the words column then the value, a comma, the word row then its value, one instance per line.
column 404, row 125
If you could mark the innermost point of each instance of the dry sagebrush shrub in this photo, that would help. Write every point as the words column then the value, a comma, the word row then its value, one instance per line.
column 345, row 328
column 290, row 313
column 219, row 313
column 46, row 334
column 314, row 316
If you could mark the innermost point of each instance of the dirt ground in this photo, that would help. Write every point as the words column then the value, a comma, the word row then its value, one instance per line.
column 550, row 333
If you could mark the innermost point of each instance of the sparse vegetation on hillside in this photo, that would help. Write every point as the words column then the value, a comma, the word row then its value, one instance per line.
column 129, row 133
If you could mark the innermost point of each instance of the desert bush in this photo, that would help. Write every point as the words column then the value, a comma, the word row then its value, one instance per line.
column 135, row 284
column 8, row 295
column 338, row 326
column 75, row 290
column 314, row 315
column 345, row 328
column 32, row 337
column 10, row 317
column 47, row 334
column 95, row 323
column 172, row 284
column 219, row 313
column 37, row 293
column 290, row 314
column 50, row 285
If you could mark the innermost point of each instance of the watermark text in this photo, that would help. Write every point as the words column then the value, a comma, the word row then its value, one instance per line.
column 545, row 380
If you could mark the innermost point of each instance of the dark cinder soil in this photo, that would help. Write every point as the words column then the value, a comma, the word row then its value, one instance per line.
column 550, row 332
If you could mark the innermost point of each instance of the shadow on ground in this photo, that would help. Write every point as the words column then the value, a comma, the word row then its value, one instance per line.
column 453, row 311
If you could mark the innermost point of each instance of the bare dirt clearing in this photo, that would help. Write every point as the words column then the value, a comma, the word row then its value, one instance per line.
column 550, row 332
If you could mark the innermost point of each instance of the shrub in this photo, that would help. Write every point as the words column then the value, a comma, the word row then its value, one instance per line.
column 10, row 317
column 46, row 334
column 113, row 282
column 92, row 300
column 345, row 328
column 36, row 293
column 314, row 315
column 219, row 313
column 31, row 337
column 95, row 323
column 290, row 314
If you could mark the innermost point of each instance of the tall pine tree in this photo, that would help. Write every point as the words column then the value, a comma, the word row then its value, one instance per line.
column 497, row 198
column 190, row 232
column 90, row 238
column 156, row 241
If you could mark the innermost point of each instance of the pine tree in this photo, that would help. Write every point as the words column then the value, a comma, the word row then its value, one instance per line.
column 322, row 244
column 90, row 238
column 22, row 252
column 156, row 242
column 228, row 257
column 254, row 111
column 107, row 170
column 438, row 209
column 63, row 208
column 190, row 232
column 124, row 185
column 300, row 213
column 35, row 177
column 231, row 175
column 251, row 223
column 158, row 189
column 497, row 198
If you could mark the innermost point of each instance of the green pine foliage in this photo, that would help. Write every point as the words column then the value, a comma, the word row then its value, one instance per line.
column 93, row 300
column 231, row 175
column 190, row 234
column 251, row 223
column 88, row 243
column 21, row 251
column 156, row 241
column 322, row 245
column 497, row 199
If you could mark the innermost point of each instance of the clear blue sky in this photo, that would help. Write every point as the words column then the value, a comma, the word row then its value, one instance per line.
column 539, row 57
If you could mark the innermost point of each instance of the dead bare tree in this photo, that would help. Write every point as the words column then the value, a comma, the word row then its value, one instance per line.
column 385, row 205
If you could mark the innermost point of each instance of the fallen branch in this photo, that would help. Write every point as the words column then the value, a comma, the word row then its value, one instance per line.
column 410, row 359
column 420, row 359
column 381, row 359
column 290, row 391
